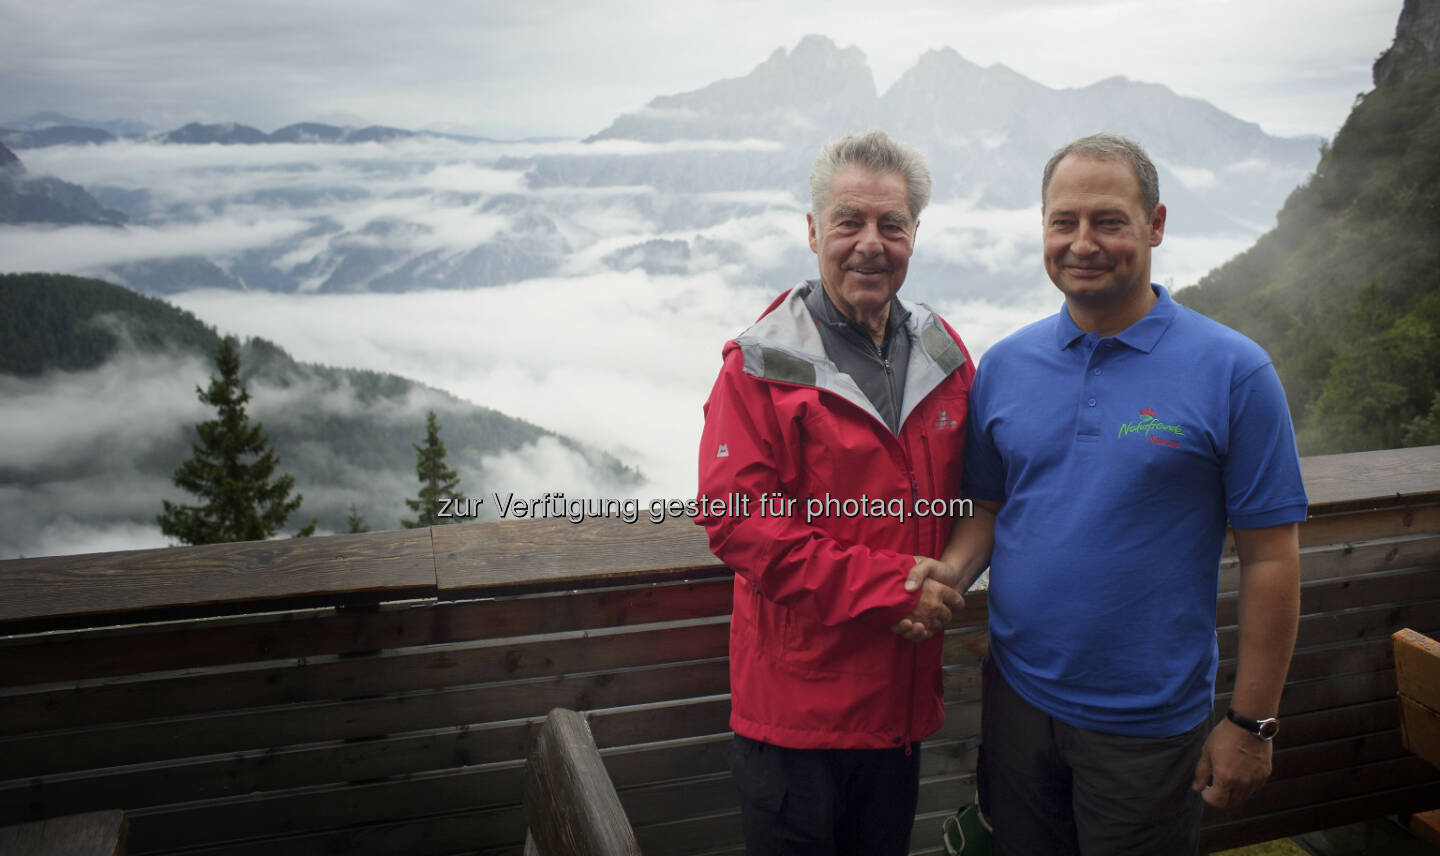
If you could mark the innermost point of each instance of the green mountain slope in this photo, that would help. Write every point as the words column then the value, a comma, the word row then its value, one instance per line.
column 73, row 346
column 1345, row 292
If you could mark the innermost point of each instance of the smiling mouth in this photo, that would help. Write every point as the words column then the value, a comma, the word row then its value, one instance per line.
column 869, row 271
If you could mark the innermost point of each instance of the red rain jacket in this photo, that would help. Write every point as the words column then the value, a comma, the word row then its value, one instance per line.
column 813, row 663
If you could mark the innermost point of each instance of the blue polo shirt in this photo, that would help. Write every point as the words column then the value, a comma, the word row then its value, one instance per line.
column 1119, row 460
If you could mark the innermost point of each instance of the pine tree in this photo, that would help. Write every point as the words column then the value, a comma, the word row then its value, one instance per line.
column 356, row 521
column 437, row 481
column 232, row 470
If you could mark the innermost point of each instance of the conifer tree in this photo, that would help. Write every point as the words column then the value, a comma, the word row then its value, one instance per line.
column 356, row 521
column 232, row 470
column 437, row 481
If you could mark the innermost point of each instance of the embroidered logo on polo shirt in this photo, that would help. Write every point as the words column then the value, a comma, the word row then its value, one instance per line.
column 1150, row 425
column 943, row 422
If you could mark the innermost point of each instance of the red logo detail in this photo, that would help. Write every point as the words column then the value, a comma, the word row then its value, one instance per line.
column 1149, row 411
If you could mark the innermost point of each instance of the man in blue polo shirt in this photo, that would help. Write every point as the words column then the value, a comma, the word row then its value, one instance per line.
column 1108, row 447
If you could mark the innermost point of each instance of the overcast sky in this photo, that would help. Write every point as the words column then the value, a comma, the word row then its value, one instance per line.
column 566, row 68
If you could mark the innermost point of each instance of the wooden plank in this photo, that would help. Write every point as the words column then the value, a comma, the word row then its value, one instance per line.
column 1425, row 825
column 1351, row 558
column 29, row 756
column 337, row 761
column 511, row 557
column 333, row 677
column 1331, row 660
column 1364, row 624
column 78, row 655
column 1334, row 723
column 1371, row 479
column 1417, row 666
column 307, row 811
column 41, row 593
column 98, row 833
column 1406, row 585
column 1304, row 760
column 570, row 804
column 1324, row 693
column 1335, row 784
column 439, row 834
column 1370, row 525
column 1420, row 729
column 1217, row 834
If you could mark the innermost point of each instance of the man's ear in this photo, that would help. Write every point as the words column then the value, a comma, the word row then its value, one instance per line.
column 1157, row 226
column 810, row 227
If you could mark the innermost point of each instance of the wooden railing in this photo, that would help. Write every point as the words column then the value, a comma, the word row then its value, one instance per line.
column 379, row 693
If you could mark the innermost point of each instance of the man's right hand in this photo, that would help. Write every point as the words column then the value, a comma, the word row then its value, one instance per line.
column 937, row 599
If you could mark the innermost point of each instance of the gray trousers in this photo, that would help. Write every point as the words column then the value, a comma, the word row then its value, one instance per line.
column 1052, row 789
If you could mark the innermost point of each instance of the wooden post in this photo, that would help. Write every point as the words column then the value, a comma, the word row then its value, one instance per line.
column 570, row 803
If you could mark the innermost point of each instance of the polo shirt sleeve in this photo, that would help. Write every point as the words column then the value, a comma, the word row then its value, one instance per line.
column 984, row 476
column 1262, row 465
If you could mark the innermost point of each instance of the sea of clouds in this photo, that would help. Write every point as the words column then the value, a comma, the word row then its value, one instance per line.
column 618, row 359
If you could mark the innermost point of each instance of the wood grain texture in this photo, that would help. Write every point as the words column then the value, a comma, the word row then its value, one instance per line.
column 108, row 652
column 1372, row 479
column 1420, row 727
column 317, row 679
column 98, row 833
column 1417, row 665
column 570, row 804
column 512, row 557
column 254, row 573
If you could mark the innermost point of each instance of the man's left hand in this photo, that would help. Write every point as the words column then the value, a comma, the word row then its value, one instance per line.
column 1233, row 765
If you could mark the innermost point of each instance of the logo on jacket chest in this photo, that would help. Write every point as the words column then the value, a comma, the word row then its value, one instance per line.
column 945, row 422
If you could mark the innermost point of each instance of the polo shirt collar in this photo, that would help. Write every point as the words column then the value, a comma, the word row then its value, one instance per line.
column 1143, row 335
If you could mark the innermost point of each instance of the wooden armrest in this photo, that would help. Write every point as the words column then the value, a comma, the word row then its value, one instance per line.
column 1417, row 677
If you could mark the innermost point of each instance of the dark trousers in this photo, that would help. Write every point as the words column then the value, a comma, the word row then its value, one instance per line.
column 1051, row 789
column 825, row 802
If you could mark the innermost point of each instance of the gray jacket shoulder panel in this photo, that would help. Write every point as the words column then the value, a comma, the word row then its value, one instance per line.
column 785, row 347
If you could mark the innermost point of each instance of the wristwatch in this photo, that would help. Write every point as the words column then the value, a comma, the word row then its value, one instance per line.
column 1265, row 729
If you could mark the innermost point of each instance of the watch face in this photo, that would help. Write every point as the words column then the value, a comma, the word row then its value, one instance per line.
column 1268, row 729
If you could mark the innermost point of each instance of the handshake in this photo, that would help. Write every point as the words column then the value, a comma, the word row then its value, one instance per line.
column 936, row 583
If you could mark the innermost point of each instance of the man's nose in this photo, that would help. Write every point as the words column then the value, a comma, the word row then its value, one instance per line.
column 869, row 242
column 1084, row 243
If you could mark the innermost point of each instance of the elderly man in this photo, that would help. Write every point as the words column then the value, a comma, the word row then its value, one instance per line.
column 1108, row 447
column 838, row 414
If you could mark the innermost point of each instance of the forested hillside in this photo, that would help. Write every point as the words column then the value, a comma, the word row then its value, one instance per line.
column 1345, row 291
column 345, row 434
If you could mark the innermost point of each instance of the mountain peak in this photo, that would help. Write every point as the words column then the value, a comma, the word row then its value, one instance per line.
column 1416, row 48
column 9, row 162
column 814, row 90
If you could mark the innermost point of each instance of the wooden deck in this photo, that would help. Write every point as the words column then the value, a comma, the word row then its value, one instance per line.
column 379, row 693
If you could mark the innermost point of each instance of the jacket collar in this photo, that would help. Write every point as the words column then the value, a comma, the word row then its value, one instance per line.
column 784, row 347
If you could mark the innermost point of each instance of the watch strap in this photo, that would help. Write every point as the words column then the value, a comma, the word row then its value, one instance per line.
column 1265, row 729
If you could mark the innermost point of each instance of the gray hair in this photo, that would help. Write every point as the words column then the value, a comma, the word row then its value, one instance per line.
column 1110, row 147
column 875, row 150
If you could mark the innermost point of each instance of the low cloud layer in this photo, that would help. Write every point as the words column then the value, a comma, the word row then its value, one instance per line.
column 616, row 345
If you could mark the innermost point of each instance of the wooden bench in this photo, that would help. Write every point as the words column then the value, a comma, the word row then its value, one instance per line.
column 1417, row 679
column 380, row 693
column 570, row 802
